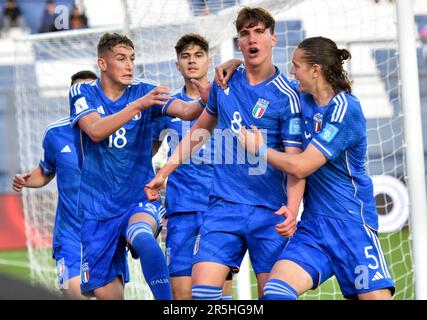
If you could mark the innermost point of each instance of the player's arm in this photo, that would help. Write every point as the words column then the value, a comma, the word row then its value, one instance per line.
column 98, row 128
column 34, row 179
column 295, row 191
column 190, row 144
column 224, row 71
column 189, row 110
column 300, row 165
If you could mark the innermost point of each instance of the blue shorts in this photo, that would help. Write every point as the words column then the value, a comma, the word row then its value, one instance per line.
column 182, row 230
column 230, row 229
column 67, row 257
column 104, row 255
column 326, row 246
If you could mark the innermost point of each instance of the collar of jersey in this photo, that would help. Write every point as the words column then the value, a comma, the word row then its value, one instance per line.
column 262, row 84
column 119, row 101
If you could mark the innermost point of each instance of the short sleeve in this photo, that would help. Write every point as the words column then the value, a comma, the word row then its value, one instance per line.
column 47, row 162
column 212, row 104
column 343, row 125
column 81, row 103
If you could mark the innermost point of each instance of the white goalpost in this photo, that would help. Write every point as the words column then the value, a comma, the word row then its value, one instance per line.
column 379, row 37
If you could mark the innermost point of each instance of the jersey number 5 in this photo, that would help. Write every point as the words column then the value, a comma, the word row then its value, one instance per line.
column 118, row 139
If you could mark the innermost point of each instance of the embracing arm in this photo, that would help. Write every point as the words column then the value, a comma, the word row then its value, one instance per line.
column 225, row 70
column 300, row 165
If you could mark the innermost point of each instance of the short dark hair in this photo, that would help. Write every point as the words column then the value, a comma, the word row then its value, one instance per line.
column 324, row 52
column 110, row 40
column 84, row 74
column 190, row 39
column 252, row 16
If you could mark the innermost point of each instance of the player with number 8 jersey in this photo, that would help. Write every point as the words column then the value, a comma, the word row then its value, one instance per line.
column 246, row 191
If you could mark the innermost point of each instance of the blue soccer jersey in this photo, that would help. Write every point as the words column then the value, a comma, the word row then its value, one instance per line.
column 273, row 106
column 341, row 188
column 188, row 187
column 59, row 156
column 115, row 170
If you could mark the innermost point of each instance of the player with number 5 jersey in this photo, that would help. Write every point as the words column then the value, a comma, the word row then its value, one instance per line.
column 337, row 234
column 245, row 191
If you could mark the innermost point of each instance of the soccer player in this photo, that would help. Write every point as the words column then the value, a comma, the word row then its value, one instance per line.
column 60, row 159
column 112, row 119
column 187, row 191
column 245, row 193
column 338, row 231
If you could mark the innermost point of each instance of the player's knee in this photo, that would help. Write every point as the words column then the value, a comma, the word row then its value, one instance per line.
column 138, row 229
column 276, row 289
column 201, row 292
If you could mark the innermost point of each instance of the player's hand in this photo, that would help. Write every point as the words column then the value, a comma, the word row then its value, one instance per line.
column 19, row 181
column 224, row 71
column 203, row 89
column 157, row 96
column 152, row 189
column 249, row 140
column 289, row 226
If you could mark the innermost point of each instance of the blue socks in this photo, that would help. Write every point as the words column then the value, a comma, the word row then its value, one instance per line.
column 206, row 293
column 276, row 289
column 153, row 262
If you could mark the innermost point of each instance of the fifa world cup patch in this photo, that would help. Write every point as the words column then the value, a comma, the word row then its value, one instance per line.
column 259, row 108
column 196, row 245
column 84, row 273
column 60, row 267
column 81, row 105
column 329, row 132
column 295, row 126
column 62, row 273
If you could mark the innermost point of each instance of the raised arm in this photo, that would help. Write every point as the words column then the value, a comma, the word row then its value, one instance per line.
column 98, row 128
column 189, row 110
column 191, row 143
column 34, row 179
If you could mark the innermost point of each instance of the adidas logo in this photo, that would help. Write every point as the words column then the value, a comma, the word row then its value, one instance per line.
column 100, row 110
column 377, row 276
column 227, row 91
column 66, row 149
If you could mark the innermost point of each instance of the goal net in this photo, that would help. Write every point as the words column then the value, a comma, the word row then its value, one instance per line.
column 44, row 64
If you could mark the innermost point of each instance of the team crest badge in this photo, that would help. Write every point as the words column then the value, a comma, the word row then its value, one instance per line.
column 196, row 245
column 85, row 273
column 259, row 109
column 137, row 116
column 317, row 122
